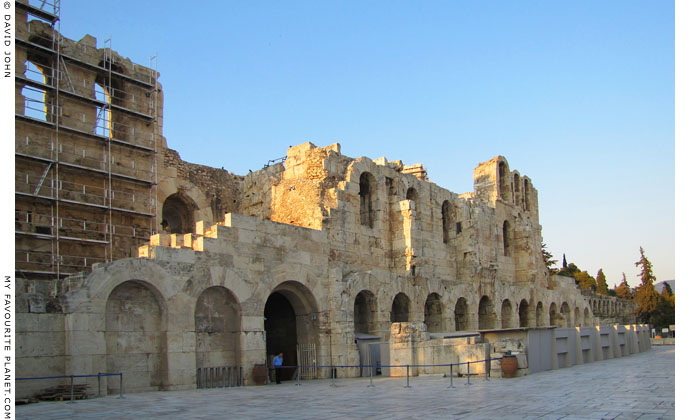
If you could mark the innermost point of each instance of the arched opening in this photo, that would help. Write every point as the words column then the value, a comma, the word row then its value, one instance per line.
column 577, row 321
column 433, row 313
column 506, row 238
column 367, row 187
column 104, row 122
column 506, row 314
column 525, row 193
column 553, row 314
column 523, row 313
column 517, row 199
column 447, row 219
column 365, row 312
column 413, row 196
column 401, row 308
column 135, row 337
column 178, row 214
column 541, row 319
column 588, row 318
column 487, row 316
column 290, row 319
column 35, row 99
column 217, row 326
column 461, row 315
column 566, row 316
column 503, row 181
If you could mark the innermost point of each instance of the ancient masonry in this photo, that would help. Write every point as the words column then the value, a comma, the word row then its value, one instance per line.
column 131, row 260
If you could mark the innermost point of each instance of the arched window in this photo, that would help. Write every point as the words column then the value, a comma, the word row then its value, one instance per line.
column 178, row 214
column 367, row 187
column 104, row 123
column 506, row 314
column 365, row 312
column 506, row 238
column 523, row 313
column 541, row 322
column 553, row 314
column 503, row 182
column 433, row 313
column 518, row 191
column 461, row 318
column 35, row 99
column 401, row 308
column 487, row 316
column 525, row 194
column 448, row 217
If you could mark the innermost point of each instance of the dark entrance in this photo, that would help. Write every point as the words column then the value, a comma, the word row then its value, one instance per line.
column 280, row 324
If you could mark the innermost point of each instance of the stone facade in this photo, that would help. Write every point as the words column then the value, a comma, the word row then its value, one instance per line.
column 226, row 270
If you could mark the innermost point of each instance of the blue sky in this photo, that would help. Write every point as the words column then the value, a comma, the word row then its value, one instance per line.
column 579, row 96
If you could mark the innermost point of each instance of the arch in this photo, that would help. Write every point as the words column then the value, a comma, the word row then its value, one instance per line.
column 506, row 238
column 553, row 314
column 367, row 189
column 523, row 313
column 461, row 315
column 104, row 121
column 290, row 318
column 588, row 318
column 412, row 195
column 35, row 99
column 518, row 191
column 135, row 319
column 365, row 312
column 503, row 181
column 433, row 313
column 217, row 326
column 400, row 312
column 447, row 219
column 566, row 315
column 506, row 314
column 487, row 316
column 577, row 322
column 178, row 214
column 525, row 193
column 541, row 319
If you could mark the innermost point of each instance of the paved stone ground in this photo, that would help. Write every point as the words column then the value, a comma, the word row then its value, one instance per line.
column 640, row 387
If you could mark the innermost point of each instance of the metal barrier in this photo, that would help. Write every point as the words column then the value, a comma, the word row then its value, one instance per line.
column 219, row 377
column 71, row 382
column 333, row 368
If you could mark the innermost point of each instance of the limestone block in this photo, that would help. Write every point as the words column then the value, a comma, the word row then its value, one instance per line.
column 40, row 344
column 160, row 239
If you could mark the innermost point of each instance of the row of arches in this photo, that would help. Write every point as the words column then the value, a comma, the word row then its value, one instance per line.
column 367, row 210
column 137, row 329
column 606, row 306
column 513, row 314
column 108, row 90
column 513, row 190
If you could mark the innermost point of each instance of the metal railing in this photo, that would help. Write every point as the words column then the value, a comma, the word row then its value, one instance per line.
column 460, row 368
column 219, row 377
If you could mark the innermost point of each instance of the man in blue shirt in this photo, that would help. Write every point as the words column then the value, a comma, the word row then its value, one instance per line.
column 277, row 364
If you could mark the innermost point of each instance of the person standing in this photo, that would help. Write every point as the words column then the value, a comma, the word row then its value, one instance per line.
column 277, row 365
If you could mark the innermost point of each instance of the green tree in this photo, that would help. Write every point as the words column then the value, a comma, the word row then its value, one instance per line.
column 623, row 290
column 585, row 281
column 548, row 259
column 602, row 286
column 645, row 296
column 569, row 271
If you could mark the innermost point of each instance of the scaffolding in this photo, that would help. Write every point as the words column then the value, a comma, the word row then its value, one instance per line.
column 85, row 153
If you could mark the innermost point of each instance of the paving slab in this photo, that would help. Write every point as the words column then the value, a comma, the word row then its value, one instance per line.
column 640, row 386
